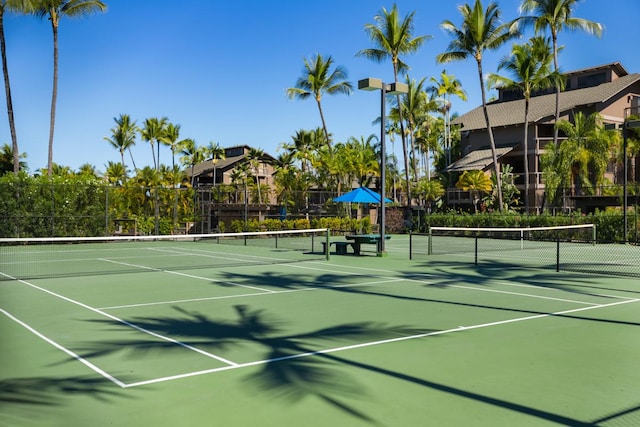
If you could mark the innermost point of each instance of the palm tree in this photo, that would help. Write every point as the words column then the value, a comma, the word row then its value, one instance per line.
column 318, row 79
column 170, row 137
column 115, row 173
column 554, row 16
column 530, row 64
column 445, row 88
column 392, row 38
column 480, row 31
column 17, row 6
column 255, row 157
column 362, row 157
column 153, row 132
column 216, row 152
column 123, row 136
column 7, row 157
column 589, row 150
column 476, row 182
column 191, row 155
column 53, row 10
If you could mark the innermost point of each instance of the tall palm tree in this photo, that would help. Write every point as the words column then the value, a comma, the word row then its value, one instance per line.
column 318, row 79
column 153, row 132
column 123, row 136
column 445, row 88
column 171, row 138
column 191, row 155
column 392, row 38
column 53, row 10
column 255, row 156
column 480, row 31
column 215, row 152
column 22, row 6
column 554, row 16
column 530, row 65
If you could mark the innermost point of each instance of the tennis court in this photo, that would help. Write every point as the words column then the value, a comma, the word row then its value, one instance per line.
column 140, row 334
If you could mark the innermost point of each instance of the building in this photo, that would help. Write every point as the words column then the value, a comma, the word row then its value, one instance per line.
column 211, row 175
column 608, row 90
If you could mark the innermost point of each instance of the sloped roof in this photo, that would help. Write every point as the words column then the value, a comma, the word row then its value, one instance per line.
column 208, row 165
column 511, row 113
column 476, row 160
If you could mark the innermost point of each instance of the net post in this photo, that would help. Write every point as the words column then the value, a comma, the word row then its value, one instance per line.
column 410, row 245
column 430, row 243
column 521, row 239
column 328, row 249
column 593, row 235
column 557, row 254
column 476, row 251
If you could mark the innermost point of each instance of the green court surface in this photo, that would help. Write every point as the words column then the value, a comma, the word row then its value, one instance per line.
column 352, row 341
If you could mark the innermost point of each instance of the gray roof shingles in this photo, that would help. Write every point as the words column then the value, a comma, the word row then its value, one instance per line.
column 511, row 113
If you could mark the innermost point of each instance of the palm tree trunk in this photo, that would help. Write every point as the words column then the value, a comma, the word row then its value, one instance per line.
column 324, row 125
column 554, row 38
column 494, row 157
column 54, row 97
column 526, row 156
column 7, row 90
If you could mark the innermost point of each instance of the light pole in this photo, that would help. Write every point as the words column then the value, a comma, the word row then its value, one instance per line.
column 628, row 124
column 390, row 89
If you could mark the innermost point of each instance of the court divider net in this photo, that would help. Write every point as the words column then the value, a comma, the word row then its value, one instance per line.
column 28, row 258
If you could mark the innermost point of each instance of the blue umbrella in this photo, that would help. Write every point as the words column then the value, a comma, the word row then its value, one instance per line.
column 361, row 195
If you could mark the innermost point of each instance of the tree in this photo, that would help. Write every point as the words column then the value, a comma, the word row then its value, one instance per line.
column 362, row 158
column 429, row 190
column 480, row 31
column 7, row 157
column 171, row 138
column 554, row 16
column 476, row 182
column 445, row 88
column 255, row 156
column 115, row 173
column 392, row 38
column 123, row 136
column 191, row 155
column 318, row 79
column 215, row 152
column 16, row 6
column 530, row 64
column 153, row 132
column 53, row 10
column 589, row 151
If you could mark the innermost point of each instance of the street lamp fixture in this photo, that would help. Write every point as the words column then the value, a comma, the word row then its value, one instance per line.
column 396, row 88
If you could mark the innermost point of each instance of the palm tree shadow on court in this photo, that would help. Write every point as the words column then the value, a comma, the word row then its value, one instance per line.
column 20, row 397
column 286, row 370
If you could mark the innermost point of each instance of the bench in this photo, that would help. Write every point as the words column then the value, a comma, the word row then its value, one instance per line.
column 341, row 247
column 364, row 239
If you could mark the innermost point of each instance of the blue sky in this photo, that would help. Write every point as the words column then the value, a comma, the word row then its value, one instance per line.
column 221, row 69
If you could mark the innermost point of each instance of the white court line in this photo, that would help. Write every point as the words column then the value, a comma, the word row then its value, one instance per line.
column 373, row 343
column 124, row 322
column 65, row 350
column 287, row 291
column 182, row 274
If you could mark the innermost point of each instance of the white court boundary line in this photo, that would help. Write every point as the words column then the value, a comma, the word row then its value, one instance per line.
column 64, row 350
column 372, row 343
column 124, row 322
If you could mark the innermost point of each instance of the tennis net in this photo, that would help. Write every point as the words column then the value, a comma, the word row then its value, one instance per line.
column 551, row 247
column 28, row 258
